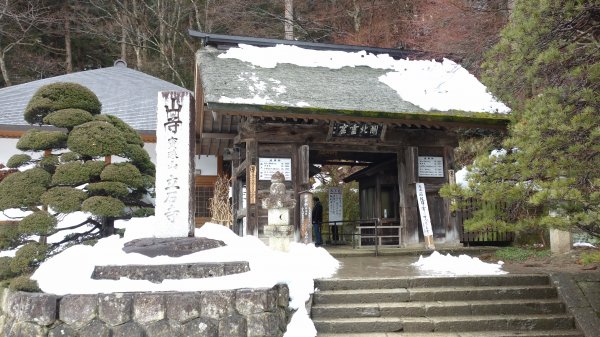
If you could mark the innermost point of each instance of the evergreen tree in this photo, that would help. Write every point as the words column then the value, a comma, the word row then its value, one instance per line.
column 69, row 172
column 546, row 66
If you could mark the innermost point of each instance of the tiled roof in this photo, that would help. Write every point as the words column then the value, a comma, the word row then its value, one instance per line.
column 126, row 93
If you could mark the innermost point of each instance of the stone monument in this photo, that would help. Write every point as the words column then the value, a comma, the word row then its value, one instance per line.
column 279, row 230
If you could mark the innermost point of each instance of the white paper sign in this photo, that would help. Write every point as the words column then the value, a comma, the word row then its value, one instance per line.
column 268, row 166
column 336, row 204
column 431, row 167
column 174, row 165
column 424, row 210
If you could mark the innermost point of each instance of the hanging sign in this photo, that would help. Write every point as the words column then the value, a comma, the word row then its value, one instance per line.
column 357, row 129
column 268, row 166
column 336, row 204
column 425, row 217
column 431, row 167
column 252, row 183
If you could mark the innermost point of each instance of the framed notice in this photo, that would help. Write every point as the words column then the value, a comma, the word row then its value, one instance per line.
column 431, row 167
column 336, row 204
column 268, row 166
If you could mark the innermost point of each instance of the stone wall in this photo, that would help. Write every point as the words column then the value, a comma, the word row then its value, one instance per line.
column 235, row 313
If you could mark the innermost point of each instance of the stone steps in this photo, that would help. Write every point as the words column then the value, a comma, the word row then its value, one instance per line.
column 506, row 305
column 449, row 308
column 538, row 333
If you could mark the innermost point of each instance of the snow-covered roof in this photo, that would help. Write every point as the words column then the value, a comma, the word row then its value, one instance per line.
column 347, row 82
column 126, row 93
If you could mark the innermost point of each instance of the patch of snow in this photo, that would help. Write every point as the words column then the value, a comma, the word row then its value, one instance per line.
column 448, row 265
column 461, row 177
column 583, row 244
column 9, row 253
column 429, row 84
column 498, row 153
column 297, row 268
column 240, row 100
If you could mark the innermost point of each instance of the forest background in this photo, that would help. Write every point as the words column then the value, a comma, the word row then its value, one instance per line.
column 45, row 38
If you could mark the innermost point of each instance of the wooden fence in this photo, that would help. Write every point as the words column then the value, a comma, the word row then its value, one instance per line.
column 488, row 237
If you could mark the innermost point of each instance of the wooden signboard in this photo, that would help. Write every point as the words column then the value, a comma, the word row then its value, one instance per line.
column 336, row 205
column 268, row 166
column 425, row 217
column 431, row 167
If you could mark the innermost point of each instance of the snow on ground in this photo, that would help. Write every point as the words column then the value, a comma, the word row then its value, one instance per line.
column 447, row 265
column 297, row 268
column 583, row 244
column 431, row 85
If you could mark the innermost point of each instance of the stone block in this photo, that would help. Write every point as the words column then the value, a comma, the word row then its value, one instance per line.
column 148, row 308
column 253, row 301
column 63, row 330
column 217, row 304
column 4, row 292
column 233, row 326
column 78, row 310
column 129, row 329
column 183, row 307
column 96, row 328
column 158, row 273
column 263, row 324
column 560, row 241
column 25, row 329
column 174, row 247
column 568, row 291
column 33, row 307
column 283, row 295
column 587, row 320
column 201, row 327
column 163, row 328
column 591, row 291
column 115, row 309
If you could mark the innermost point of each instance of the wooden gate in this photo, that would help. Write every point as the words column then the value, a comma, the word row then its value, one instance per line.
column 488, row 237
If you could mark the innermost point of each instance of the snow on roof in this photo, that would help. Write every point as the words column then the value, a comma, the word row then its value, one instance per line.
column 292, row 76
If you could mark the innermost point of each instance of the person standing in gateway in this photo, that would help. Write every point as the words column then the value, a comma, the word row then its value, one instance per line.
column 317, row 220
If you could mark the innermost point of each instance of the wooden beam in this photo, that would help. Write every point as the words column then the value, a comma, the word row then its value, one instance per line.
column 217, row 135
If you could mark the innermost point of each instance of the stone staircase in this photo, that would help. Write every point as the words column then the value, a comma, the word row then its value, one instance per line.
column 475, row 306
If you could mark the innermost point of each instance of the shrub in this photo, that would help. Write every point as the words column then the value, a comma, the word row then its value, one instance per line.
column 68, row 118
column 143, row 212
column 18, row 160
column 48, row 163
column 131, row 136
column 37, row 223
column 38, row 140
column 140, row 158
column 64, row 199
column 69, row 157
column 108, row 188
column 104, row 206
column 5, row 271
column 9, row 236
column 24, row 283
column 76, row 173
column 123, row 172
column 28, row 257
column 94, row 139
column 58, row 96
column 23, row 189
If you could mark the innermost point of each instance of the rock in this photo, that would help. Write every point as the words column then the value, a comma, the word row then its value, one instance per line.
column 33, row 307
column 263, row 324
column 96, row 328
column 183, row 307
column 63, row 330
column 78, row 310
column 217, row 304
column 232, row 326
column 128, row 330
column 148, row 307
column 115, row 309
column 163, row 328
column 254, row 301
column 173, row 247
column 201, row 327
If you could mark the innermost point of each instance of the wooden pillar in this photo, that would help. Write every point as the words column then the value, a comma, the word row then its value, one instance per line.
column 251, row 208
column 302, row 182
column 407, row 177
column 452, row 230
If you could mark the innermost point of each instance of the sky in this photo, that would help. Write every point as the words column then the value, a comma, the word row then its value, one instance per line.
column 429, row 84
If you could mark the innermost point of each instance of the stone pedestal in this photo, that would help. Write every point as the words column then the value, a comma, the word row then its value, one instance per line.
column 560, row 241
column 279, row 230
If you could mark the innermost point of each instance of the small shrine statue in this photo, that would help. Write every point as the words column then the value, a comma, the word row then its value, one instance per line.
column 279, row 229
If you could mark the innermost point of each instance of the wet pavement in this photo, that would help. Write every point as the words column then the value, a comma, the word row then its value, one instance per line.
column 382, row 266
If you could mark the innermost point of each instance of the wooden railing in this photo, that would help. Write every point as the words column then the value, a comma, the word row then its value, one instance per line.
column 490, row 236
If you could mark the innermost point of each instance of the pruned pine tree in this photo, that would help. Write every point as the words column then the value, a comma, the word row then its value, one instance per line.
column 547, row 68
column 68, row 172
